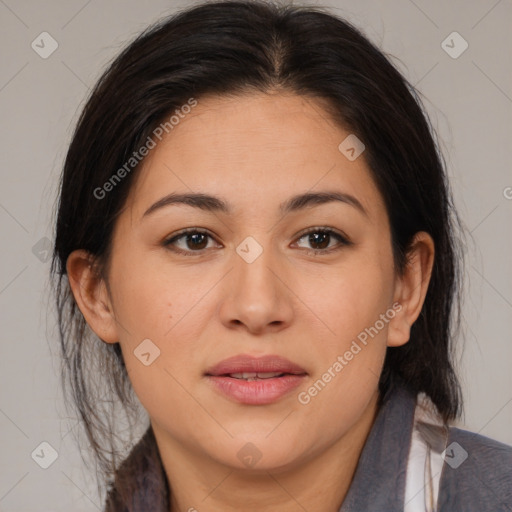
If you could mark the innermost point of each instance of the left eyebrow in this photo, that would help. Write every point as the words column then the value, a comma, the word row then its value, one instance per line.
column 302, row 201
column 298, row 202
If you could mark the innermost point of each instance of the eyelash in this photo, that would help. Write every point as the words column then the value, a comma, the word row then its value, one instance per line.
column 343, row 240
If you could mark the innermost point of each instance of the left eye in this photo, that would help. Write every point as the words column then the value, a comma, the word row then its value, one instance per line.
column 322, row 238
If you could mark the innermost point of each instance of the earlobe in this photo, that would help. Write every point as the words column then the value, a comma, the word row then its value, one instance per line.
column 411, row 288
column 91, row 295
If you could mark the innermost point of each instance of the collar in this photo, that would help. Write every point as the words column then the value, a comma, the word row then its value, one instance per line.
column 379, row 481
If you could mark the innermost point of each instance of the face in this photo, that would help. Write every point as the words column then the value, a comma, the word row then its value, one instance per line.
column 257, row 275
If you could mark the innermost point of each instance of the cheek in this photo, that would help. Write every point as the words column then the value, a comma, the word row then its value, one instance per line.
column 158, row 303
column 350, row 356
column 153, row 301
column 348, row 362
column 351, row 299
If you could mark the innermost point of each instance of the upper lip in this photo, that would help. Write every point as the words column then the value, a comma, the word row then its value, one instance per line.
column 248, row 364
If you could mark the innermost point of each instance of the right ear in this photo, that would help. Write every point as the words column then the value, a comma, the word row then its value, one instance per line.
column 91, row 295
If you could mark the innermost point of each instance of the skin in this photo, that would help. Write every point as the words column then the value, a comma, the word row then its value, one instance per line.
column 254, row 151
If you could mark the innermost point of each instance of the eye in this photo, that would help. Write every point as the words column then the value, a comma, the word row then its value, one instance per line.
column 192, row 241
column 321, row 237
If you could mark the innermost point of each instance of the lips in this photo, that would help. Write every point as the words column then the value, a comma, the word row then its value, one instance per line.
column 255, row 380
column 248, row 367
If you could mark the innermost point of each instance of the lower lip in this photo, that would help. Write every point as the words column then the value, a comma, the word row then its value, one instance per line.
column 256, row 392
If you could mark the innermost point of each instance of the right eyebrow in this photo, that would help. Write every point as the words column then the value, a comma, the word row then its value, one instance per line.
column 196, row 200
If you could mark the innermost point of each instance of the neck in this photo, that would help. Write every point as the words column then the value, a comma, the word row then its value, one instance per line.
column 319, row 483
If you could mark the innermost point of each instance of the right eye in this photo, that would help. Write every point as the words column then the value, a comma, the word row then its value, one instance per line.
column 193, row 242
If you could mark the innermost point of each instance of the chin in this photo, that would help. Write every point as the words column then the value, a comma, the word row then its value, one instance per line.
column 260, row 455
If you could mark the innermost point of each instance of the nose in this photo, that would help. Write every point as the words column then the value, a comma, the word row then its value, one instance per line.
column 257, row 297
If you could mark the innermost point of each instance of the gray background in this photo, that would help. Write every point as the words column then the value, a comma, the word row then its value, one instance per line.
column 469, row 100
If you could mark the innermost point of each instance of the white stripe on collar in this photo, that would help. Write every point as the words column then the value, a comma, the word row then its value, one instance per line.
column 425, row 463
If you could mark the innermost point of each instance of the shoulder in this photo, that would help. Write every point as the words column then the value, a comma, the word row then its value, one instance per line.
column 484, row 447
column 477, row 474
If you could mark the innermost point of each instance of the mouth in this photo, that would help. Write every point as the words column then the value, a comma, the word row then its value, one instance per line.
column 249, row 367
column 255, row 380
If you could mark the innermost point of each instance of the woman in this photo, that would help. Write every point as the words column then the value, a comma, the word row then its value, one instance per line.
column 256, row 241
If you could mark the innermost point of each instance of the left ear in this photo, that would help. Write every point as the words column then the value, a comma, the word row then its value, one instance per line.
column 411, row 288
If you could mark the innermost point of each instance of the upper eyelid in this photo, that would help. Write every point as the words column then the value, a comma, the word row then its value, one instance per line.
column 187, row 231
column 314, row 229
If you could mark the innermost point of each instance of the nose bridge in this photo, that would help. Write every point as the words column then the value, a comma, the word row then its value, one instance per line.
column 253, row 262
column 256, row 295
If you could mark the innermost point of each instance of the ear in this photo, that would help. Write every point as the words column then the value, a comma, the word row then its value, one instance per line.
column 411, row 288
column 91, row 295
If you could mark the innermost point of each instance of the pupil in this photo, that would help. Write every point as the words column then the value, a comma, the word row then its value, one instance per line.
column 314, row 239
column 194, row 237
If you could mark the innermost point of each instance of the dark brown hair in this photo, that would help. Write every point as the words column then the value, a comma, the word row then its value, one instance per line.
column 230, row 48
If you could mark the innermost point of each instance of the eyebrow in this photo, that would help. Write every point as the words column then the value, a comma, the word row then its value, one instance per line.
column 298, row 202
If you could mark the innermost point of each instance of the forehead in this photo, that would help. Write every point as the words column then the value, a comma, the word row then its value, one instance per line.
column 258, row 147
